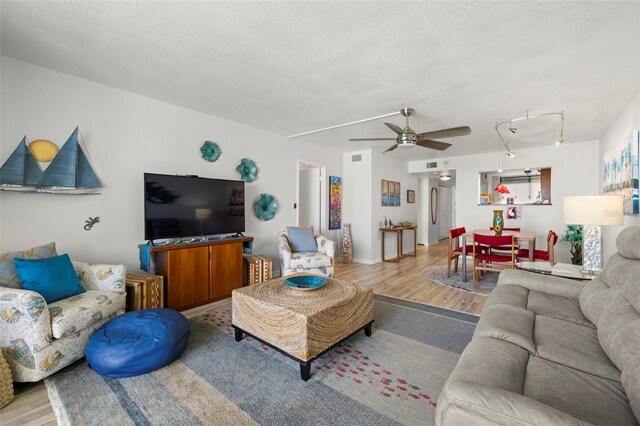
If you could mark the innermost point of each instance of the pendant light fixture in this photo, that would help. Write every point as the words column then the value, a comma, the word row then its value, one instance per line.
column 500, row 187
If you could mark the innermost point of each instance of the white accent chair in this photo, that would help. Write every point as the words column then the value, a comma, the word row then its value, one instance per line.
column 319, row 262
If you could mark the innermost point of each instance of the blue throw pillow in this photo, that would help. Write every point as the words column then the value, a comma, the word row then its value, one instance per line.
column 301, row 239
column 54, row 278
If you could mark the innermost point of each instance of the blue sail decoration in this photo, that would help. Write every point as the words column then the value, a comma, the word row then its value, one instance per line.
column 70, row 169
column 21, row 170
column 69, row 172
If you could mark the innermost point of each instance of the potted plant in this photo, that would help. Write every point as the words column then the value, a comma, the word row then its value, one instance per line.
column 573, row 234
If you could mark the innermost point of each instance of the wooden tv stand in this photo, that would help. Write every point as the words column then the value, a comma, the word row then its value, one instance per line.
column 201, row 272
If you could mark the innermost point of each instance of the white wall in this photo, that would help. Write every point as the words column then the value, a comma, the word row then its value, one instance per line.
column 356, row 203
column 618, row 132
column 309, row 198
column 386, row 166
column 127, row 135
column 573, row 172
column 362, row 203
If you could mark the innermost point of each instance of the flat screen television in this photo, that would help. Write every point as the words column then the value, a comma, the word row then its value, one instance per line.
column 188, row 206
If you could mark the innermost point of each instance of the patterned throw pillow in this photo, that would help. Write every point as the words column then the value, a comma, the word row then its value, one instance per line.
column 8, row 274
column 101, row 277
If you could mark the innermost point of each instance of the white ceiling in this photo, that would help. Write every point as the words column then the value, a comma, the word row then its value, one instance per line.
column 292, row 67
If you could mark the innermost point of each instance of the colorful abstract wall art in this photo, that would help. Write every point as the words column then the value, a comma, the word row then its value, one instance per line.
column 620, row 173
column 514, row 213
column 335, row 202
column 390, row 193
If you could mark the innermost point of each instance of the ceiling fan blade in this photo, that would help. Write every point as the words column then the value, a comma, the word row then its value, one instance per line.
column 372, row 139
column 391, row 148
column 395, row 128
column 447, row 133
column 428, row 143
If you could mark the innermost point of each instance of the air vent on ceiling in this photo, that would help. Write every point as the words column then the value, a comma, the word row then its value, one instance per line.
column 356, row 158
column 432, row 165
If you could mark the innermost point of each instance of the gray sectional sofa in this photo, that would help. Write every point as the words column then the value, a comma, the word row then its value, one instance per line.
column 553, row 351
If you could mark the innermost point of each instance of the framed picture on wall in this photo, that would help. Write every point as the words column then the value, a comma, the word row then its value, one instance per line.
column 411, row 196
column 620, row 172
column 390, row 193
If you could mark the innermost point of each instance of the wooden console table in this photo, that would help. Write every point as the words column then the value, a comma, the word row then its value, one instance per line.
column 398, row 232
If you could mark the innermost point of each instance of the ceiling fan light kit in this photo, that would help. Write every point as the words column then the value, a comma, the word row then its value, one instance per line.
column 407, row 138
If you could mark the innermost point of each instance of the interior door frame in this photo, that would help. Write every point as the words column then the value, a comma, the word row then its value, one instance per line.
column 302, row 165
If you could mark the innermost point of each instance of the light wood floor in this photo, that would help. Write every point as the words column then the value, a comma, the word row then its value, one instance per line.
column 404, row 280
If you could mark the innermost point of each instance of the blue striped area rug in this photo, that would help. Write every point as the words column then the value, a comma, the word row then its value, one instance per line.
column 393, row 377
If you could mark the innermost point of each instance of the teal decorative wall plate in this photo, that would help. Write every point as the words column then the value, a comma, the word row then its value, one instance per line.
column 210, row 151
column 265, row 207
column 248, row 170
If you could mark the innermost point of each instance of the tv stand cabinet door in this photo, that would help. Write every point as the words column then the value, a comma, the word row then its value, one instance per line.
column 187, row 277
column 226, row 269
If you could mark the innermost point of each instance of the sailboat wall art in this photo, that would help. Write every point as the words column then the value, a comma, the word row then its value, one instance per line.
column 70, row 171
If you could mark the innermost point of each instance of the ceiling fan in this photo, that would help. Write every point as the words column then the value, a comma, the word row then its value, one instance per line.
column 407, row 138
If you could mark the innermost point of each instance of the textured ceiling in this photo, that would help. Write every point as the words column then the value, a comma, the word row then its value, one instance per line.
column 293, row 67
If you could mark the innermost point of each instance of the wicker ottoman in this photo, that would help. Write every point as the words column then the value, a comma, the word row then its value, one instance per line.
column 6, row 383
column 302, row 324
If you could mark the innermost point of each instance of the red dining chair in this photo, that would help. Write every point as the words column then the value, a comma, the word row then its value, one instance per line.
column 455, row 249
column 517, row 247
column 541, row 255
column 488, row 261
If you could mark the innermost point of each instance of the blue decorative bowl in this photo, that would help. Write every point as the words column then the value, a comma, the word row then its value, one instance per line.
column 305, row 282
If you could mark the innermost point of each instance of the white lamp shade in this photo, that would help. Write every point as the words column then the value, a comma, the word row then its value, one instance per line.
column 203, row 214
column 593, row 210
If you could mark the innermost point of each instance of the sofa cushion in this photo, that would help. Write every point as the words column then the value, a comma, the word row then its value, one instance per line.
column 101, row 277
column 53, row 278
column 9, row 275
column 492, row 362
column 508, row 323
column 573, row 345
column 507, row 294
column 564, row 308
column 619, row 270
column 632, row 293
column 69, row 316
column 631, row 384
column 591, row 398
column 619, row 332
column 595, row 297
column 628, row 242
column 309, row 260
column 486, row 388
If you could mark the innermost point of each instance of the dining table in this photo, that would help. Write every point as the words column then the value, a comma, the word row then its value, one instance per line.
column 527, row 238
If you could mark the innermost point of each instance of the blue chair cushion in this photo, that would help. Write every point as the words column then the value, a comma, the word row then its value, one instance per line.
column 301, row 239
column 54, row 277
column 138, row 342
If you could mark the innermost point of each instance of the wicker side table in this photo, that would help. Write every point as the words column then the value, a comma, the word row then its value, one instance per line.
column 6, row 383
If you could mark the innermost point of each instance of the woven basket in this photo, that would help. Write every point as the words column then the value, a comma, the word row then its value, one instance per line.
column 6, row 383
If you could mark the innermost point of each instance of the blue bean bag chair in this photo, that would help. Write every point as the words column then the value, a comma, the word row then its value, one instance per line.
column 137, row 342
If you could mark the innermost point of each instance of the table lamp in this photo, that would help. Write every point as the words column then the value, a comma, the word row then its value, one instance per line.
column 592, row 211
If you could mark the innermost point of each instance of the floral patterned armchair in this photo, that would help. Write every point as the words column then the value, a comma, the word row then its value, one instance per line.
column 319, row 262
column 39, row 339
